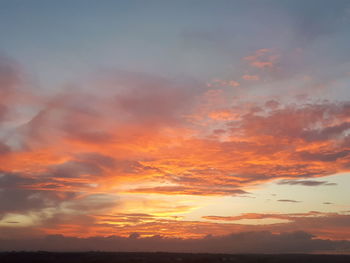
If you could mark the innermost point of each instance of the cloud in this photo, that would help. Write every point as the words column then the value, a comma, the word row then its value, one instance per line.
column 263, row 142
column 263, row 58
column 291, row 217
column 325, row 157
column 138, row 155
column 182, row 190
column 10, row 81
column 224, row 114
column 323, row 224
column 19, row 199
column 245, row 242
column 80, row 153
column 223, row 83
column 288, row 201
column 158, row 100
column 305, row 182
column 250, row 77
column 15, row 92
column 93, row 216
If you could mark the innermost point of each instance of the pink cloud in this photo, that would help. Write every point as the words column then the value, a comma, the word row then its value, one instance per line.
column 250, row 77
column 263, row 58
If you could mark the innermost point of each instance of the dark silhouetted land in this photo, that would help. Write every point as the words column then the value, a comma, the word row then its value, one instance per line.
column 102, row 257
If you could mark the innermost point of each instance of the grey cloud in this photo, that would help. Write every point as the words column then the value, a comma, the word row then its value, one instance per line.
column 24, row 200
column 18, row 195
column 288, row 201
column 74, row 169
column 95, row 164
column 94, row 203
column 328, row 132
column 324, row 157
column 305, row 182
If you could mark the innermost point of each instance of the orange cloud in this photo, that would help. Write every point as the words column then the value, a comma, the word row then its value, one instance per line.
column 84, row 150
column 322, row 224
column 225, row 115
column 250, row 77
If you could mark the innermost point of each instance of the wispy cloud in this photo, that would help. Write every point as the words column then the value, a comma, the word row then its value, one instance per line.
column 288, row 201
column 305, row 182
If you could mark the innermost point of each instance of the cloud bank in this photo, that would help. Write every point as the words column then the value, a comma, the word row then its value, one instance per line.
column 245, row 242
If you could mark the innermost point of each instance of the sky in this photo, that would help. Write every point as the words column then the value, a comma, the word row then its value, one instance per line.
column 215, row 126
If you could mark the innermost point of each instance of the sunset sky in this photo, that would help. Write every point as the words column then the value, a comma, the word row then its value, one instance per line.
column 189, row 122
